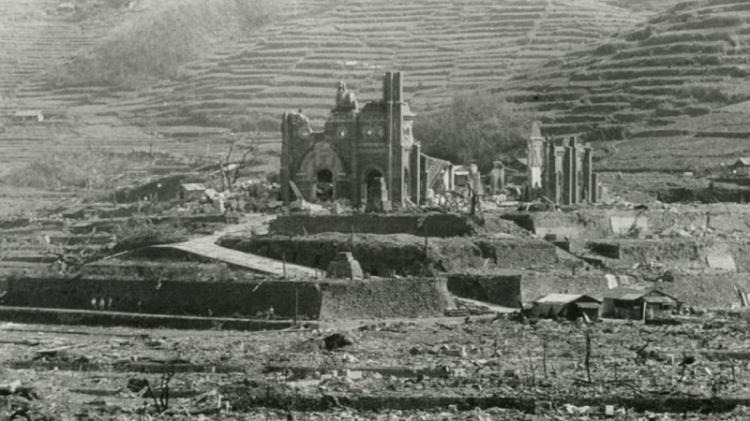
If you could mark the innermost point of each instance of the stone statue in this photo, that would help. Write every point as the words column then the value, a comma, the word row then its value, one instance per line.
column 497, row 177
column 345, row 100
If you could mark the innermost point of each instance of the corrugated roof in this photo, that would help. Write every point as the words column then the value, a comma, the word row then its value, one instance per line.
column 557, row 298
column 745, row 160
column 626, row 294
column 662, row 299
column 193, row 186
column 588, row 305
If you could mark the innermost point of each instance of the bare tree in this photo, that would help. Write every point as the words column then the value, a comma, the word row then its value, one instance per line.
column 228, row 180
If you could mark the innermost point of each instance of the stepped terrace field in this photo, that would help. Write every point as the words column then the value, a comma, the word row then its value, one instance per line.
column 683, row 63
column 241, row 80
column 443, row 46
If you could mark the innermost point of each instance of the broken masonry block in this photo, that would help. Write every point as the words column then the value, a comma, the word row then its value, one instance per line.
column 344, row 266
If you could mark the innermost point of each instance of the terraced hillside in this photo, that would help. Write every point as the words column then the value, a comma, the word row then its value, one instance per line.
column 36, row 35
column 37, row 40
column 685, row 62
column 294, row 61
column 442, row 45
column 706, row 143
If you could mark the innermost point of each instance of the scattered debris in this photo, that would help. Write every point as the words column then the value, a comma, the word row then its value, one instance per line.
column 336, row 341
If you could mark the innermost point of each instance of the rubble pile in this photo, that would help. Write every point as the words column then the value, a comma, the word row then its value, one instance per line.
column 460, row 368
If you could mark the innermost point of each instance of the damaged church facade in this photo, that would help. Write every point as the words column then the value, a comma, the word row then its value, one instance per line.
column 561, row 169
column 368, row 156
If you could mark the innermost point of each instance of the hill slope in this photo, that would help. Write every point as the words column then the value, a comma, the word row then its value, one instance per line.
column 442, row 45
column 295, row 60
column 683, row 63
column 220, row 74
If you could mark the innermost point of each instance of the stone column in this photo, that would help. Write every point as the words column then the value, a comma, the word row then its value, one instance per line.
column 588, row 182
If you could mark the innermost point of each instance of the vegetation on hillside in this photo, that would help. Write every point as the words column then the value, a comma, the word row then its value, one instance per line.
column 90, row 168
column 684, row 62
column 153, row 45
column 137, row 234
column 476, row 127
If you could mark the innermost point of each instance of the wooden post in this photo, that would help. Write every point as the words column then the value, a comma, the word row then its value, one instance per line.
column 544, row 355
column 296, row 305
column 283, row 263
column 587, row 359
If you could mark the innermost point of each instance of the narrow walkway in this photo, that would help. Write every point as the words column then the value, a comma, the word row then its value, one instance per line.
column 206, row 247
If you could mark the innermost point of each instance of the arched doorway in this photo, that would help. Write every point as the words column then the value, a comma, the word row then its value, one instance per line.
column 324, row 185
column 373, row 189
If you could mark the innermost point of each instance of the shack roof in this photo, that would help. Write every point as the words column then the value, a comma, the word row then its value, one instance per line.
column 193, row 187
column 742, row 162
column 649, row 295
column 565, row 298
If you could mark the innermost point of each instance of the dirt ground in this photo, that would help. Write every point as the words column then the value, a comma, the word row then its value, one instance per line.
column 84, row 372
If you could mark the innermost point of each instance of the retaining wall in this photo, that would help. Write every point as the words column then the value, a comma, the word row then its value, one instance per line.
column 167, row 296
column 402, row 254
column 424, row 225
column 502, row 289
column 593, row 223
column 370, row 298
column 384, row 297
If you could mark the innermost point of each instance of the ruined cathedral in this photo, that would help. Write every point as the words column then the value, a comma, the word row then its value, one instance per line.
column 366, row 155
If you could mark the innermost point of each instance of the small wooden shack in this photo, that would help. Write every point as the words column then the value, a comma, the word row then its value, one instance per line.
column 567, row 306
column 192, row 191
column 643, row 305
column 741, row 167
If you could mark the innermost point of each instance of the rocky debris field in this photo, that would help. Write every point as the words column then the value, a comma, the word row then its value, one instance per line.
column 478, row 368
